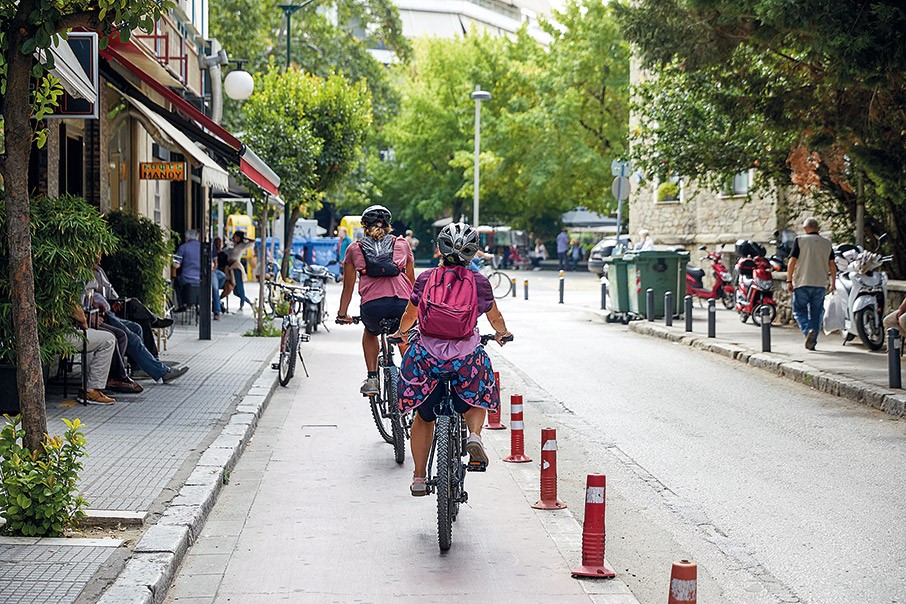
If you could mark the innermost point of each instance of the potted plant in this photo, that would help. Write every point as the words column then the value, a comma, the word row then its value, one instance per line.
column 68, row 235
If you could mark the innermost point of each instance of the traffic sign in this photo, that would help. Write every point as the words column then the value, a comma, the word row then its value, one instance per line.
column 620, row 188
column 620, row 168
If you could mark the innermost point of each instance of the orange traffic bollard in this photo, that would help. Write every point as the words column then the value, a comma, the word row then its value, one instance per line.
column 517, row 434
column 549, row 499
column 683, row 583
column 593, row 562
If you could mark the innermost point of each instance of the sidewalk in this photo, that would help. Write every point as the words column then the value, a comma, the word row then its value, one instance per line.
column 142, row 451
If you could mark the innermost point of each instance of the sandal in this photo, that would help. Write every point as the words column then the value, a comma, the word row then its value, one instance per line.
column 419, row 487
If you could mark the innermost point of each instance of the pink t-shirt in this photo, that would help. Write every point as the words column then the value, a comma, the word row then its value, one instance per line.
column 372, row 288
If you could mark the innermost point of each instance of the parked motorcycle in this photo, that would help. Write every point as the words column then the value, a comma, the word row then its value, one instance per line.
column 723, row 281
column 865, row 289
column 314, row 306
column 783, row 242
column 754, row 290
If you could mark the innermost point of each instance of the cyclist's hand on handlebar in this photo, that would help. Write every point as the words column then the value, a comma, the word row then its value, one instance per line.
column 398, row 338
column 344, row 320
column 503, row 337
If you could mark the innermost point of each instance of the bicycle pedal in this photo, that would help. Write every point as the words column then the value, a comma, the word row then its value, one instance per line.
column 275, row 366
column 475, row 466
column 304, row 337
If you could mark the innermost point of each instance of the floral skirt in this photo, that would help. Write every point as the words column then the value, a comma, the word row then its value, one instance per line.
column 474, row 383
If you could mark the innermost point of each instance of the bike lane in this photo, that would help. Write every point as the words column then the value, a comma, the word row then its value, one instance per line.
column 318, row 511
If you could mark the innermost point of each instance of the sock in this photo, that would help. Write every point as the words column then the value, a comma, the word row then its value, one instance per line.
column 372, row 374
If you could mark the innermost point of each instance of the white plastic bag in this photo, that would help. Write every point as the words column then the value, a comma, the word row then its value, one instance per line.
column 834, row 311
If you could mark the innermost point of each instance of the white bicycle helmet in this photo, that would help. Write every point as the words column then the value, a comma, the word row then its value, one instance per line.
column 376, row 213
column 458, row 243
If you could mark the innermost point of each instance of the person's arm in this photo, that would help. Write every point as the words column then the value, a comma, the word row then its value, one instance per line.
column 832, row 266
column 790, row 271
column 410, row 271
column 901, row 310
column 410, row 316
column 499, row 325
column 349, row 277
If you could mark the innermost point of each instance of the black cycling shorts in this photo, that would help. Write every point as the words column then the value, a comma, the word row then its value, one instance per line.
column 427, row 409
column 375, row 311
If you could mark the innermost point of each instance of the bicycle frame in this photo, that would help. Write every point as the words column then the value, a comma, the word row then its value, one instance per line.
column 445, row 408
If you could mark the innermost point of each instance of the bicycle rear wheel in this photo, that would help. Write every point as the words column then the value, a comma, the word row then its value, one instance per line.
column 293, row 350
column 284, row 371
column 500, row 284
column 396, row 416
column 445, row 495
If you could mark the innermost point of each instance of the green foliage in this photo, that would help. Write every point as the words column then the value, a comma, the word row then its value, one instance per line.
column 137, row 267
column 556, row 119
column 668, row 191
column 68, row 235
column 812, row 95
column 267, row 330
column 39, row 489
column 310, row 130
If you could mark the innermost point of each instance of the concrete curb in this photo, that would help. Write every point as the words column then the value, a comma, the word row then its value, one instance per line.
column 155, row 558
column 878, row 397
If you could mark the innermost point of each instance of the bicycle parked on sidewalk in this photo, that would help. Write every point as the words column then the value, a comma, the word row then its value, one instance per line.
column 500, row 282
column 448, row 448
column 291, row 335
column 392, row 424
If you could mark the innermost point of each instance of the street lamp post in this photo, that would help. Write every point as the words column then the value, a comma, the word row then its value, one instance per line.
column 477, row 96
column 288, row 10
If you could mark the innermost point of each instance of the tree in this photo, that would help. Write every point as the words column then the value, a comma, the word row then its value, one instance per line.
column 26, row 26
column 810, row 94
column 309, row 130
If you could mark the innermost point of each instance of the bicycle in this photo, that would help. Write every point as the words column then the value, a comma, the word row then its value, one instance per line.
column 290, row 335
column 392, row 424
column 500, row 282
column 449, row 447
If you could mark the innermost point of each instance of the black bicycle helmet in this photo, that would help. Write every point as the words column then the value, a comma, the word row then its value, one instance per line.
column 374, row 214
column 458, row 243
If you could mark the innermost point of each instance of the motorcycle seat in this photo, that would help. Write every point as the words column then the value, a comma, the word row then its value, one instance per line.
column 696, row 273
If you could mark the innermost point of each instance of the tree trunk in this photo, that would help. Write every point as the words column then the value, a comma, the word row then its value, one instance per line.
column 14, row 168
column 262, row 267
column 287, row 262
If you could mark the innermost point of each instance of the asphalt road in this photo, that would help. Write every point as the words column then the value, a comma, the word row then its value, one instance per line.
column 781, row 494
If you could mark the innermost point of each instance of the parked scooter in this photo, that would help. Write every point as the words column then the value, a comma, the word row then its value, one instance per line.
column 723, row 281
column 754, row 290
column 865, row 289
column 314, row 277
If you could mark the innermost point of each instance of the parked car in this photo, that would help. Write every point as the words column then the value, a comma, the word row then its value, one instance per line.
column 603, row 249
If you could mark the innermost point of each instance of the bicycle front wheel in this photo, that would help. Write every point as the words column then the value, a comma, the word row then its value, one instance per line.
column 445, row 463
column 293, row 350
column 379, row 410
column 283, row 367
column 500, row 284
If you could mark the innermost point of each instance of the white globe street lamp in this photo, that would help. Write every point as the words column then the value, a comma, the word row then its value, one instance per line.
column 239, row 85
column 477, row 96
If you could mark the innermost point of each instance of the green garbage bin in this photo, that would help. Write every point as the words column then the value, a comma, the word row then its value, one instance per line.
column 662, row 271
column 617, row 284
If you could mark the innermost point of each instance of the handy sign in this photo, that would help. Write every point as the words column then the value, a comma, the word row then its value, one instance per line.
column 162, row 170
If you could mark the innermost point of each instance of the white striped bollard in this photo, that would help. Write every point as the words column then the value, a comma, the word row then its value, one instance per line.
column 549, row 499
column 517, row 432
column 593, row 562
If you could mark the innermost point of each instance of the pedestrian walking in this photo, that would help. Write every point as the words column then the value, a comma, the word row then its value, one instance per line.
column 811, row 270
column 646, row 242
column 412, row 240
column 563, row 248
column 576, row 253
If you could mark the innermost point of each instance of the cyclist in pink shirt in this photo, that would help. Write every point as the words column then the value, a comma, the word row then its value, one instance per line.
column 385, row 269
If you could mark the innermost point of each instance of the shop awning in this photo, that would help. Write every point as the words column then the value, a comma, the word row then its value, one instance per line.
column 250, row 164
column 67, row 69
column 212, row 175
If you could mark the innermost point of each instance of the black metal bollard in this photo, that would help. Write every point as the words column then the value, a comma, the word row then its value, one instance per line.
column 603, row 294
column 562, row 282
column 765, row 329
column 525, row 286
column 668, row 309
column 513, row 286
column 687, row 312
column 712, row 319
column 894, row 375
column 649, row 304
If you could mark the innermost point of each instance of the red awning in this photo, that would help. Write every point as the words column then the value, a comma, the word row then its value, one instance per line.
column 250, row 164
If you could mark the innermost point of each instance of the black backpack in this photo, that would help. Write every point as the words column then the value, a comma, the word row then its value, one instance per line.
column 379, row 257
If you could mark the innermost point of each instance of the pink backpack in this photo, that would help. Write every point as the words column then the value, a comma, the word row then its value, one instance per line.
column 448, row 308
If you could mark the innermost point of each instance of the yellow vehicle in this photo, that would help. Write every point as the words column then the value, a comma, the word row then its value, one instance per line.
column 353, row 225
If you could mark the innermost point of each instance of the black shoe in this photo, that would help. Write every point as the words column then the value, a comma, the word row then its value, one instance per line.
column 161, row 323
column 174, row 373
column 811, row 338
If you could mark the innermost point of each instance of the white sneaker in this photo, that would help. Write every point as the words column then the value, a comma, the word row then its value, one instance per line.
column 476, row 450
column 370, row 387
